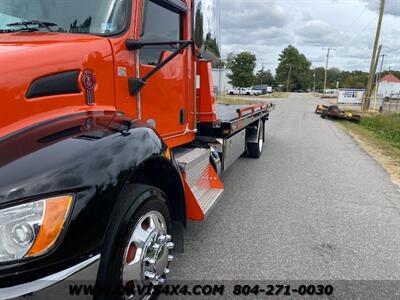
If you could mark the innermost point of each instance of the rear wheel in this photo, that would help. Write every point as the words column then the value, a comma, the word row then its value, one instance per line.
column 255, row 150
column 139, row 250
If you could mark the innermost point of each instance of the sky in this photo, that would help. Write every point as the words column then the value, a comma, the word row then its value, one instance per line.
column 266, row 27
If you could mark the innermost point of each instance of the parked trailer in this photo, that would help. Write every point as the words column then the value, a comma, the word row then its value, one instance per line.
column 110, row 139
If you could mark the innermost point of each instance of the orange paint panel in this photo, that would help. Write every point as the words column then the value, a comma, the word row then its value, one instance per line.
column 25, row 57
column 206, row 111
column 215, row 182
column 193, row 210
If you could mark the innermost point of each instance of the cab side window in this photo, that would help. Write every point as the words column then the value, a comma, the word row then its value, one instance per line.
column 160, row 24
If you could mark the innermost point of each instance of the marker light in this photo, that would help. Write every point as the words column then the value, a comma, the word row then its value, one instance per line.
column 32, row 229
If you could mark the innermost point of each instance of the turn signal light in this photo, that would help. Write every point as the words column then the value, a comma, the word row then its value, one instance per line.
column 55, row 215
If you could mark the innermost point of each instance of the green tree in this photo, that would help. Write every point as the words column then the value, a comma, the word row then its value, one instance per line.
column 319, row 78
column 353, row 79
column 229, row 60
column 242, row 67
column 224, row 63
column 301, row 75
column 264, row 77
column 334, row 75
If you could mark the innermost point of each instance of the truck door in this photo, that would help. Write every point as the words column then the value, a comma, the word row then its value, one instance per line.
column 164, row 100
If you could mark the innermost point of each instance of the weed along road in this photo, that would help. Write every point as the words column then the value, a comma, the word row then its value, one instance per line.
column 315, row 207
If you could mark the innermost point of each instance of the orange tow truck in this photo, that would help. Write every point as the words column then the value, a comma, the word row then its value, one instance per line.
column 110, row 138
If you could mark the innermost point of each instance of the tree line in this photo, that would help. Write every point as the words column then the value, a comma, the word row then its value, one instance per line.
column 294, row 66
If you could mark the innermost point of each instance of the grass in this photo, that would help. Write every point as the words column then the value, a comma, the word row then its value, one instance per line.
column 379, row 135
column 384, row 127
column 236, row 101
column 276, row 95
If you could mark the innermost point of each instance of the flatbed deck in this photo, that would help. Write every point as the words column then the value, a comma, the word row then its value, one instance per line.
column 233, row 118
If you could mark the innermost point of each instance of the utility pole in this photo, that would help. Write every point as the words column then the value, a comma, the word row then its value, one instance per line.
column 372, row 70
column 314, row 76
column 378, row 78
column 288, row 79
column 375, row 77
column 326, row 69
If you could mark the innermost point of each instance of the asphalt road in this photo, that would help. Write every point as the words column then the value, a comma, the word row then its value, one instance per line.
column 314, row 207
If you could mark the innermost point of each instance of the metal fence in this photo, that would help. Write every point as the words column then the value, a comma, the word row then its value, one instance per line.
column 390, row 105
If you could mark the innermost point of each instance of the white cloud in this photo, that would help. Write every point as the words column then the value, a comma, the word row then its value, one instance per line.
column 392, row 7
column 319, row 33
column 253, row 21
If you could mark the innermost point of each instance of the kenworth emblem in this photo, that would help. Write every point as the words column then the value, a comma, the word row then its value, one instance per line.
column 89, row 84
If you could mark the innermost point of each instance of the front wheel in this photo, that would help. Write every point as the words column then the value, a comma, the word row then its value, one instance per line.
column 139, row 247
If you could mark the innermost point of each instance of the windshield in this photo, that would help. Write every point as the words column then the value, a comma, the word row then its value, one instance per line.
column 99, row 17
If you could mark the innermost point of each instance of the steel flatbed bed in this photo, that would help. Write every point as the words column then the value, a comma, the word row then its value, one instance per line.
column 234, row 118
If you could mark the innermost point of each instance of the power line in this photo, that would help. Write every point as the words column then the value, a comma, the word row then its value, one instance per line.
column 361, row 62
column 359, row 33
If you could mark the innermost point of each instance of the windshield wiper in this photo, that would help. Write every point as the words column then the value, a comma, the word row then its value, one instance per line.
column 17, row 30
column 46, row 25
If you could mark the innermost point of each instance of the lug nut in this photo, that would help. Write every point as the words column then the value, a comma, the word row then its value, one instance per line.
column 166, row 271
column 170, row 258
column 150, row 275
column 161, row 238
column 160, row 280
column 154, row 282
column 156, row 246
column 152, row 261
column 168, row 238
column 170, row 245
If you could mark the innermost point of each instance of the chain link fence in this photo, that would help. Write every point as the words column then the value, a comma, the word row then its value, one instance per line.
column 390, row 105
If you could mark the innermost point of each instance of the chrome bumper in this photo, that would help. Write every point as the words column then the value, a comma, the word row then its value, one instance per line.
column 89, row 266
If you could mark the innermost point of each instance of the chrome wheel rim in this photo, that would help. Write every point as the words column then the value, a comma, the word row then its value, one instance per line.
column 147, row 254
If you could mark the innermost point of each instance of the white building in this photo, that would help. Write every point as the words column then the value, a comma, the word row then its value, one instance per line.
column 389, row 86
column 221, row 80
column 350, row 96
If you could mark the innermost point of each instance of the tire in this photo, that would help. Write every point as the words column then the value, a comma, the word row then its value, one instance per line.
column 254, row 150
column 123, row 238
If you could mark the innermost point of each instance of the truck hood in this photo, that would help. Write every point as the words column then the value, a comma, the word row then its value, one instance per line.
column 28, row 56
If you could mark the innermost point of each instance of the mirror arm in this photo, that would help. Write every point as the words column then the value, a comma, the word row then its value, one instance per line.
column 137, row 84
column 136, row 45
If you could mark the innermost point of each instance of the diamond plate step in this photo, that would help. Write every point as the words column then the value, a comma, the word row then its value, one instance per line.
column 208, row 198
column 200, row 179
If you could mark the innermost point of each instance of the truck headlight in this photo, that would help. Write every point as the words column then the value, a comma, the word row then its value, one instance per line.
column 32, row 229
